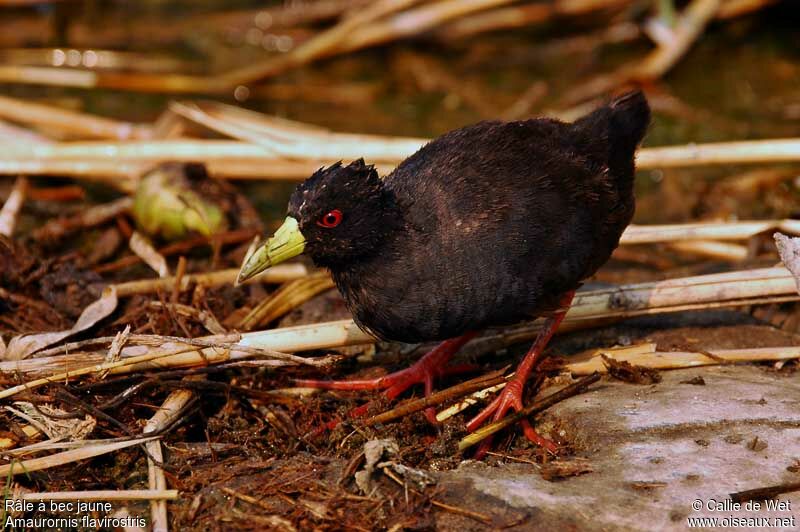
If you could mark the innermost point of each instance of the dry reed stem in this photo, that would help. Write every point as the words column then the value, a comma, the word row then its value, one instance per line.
column 286, row 298
column 277, row 274
column 415, row 21
column 67, row 457
column 91, row 217
column 129, row 81
column 297, row 157
column 15, row 134
column 181, row 352
column 75, row 124
column 739, row 152
column 122, row 174
column 627, row 300
column 688, row 293
column 680, row 359
column 742, row 230
column 520, row 16
column 165, row 416
column 712, row 249
column 101, row 495
column 295, row 140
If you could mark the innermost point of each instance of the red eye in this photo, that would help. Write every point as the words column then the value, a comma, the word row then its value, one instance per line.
column 332, row 219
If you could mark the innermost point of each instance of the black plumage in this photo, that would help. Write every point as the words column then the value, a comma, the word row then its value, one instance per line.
column 487, row 225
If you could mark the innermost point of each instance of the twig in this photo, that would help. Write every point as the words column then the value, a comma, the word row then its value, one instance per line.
column 91, row 217
column 183, row 246
column 436, row 398
column 62, row 193
column 415, row 21
column 538, row 406
column 483, row 518
column 769, row 492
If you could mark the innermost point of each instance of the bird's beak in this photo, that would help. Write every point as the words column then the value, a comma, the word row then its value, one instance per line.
column 287, row 242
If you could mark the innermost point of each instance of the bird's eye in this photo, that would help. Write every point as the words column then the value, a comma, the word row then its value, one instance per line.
column 332, row 219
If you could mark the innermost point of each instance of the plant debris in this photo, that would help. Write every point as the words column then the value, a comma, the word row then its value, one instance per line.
column 627, row 372
column 560, row 469
column 757, row 444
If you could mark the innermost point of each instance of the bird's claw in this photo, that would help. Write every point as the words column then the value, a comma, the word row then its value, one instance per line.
column 509, row 398
column 423, row 371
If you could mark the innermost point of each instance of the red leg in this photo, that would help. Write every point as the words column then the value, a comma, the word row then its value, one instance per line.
column 423, row 371
column 511, row 396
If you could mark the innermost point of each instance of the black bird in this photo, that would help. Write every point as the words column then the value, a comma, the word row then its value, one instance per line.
column 487, row 225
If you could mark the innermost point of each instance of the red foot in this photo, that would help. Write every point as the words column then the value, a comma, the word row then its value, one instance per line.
column 511, row 396
column 423, row 371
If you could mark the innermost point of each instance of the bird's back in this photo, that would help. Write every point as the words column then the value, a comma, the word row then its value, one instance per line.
column 500, row 220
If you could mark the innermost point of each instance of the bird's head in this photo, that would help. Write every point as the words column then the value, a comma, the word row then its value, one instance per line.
column 339, row 214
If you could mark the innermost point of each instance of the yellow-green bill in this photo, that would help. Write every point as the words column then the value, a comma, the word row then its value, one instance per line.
column 287, row 242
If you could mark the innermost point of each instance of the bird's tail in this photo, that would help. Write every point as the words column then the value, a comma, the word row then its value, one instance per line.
column 623, row 123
